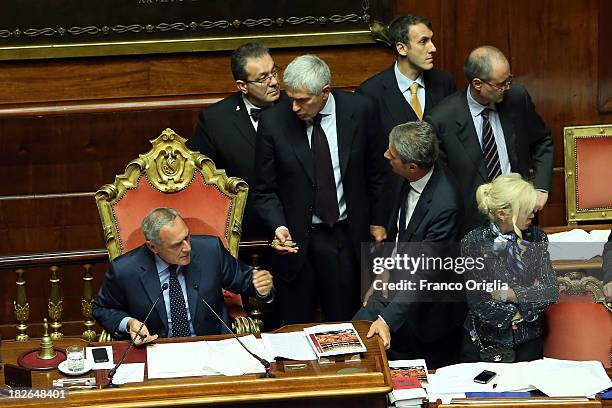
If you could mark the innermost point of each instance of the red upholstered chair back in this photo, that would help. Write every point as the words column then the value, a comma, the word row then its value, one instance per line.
column 171, row 175
column 579, row 324
column 203, row 207
column 588, row 167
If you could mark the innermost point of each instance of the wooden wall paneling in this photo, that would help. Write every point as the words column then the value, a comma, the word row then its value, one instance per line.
column 605, row 55
column 112, row 106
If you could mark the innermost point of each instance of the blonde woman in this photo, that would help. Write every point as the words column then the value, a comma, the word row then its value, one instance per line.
column 512, row 282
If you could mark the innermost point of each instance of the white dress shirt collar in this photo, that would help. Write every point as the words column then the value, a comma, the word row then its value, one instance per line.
column 404, row 82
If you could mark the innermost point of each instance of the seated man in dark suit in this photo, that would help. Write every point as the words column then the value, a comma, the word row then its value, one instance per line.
column 426, row 219
column 194, row 267
column 225, row 131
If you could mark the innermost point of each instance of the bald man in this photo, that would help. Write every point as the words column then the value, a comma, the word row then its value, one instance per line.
column 491, row 128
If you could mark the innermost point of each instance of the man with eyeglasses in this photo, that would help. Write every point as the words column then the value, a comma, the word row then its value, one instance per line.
column 411, row 87
column 319, row 180
column 491, row 128
column 226, row 131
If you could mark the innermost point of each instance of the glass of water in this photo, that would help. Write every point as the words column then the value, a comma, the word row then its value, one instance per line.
column 75, row 356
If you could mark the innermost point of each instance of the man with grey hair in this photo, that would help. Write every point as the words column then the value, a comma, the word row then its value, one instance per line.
column 319, row 178
column 193, row 267
column 491, row 128
column 428, row 214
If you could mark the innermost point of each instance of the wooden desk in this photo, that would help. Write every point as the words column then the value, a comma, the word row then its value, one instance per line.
column 363, row 383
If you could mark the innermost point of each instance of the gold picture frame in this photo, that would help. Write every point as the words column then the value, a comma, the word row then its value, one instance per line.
column 588, row 171
column 33, row 29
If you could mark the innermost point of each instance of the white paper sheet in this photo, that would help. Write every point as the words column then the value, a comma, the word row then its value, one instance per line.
column 100, row 366
column 228, row 357
column 563, row 378
column 173, row 360
column 292, row 345
column 129, row 373
column 555, row 378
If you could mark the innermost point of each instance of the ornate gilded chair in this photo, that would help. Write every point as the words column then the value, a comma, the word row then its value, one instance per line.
column 588, row 171
column 580, row 323
column 171, row 175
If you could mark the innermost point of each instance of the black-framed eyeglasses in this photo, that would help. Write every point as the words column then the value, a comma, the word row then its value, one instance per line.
column 504, row 86
column 266, row 80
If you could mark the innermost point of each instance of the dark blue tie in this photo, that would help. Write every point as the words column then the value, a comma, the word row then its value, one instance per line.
column 403, row 205
column 178, row 309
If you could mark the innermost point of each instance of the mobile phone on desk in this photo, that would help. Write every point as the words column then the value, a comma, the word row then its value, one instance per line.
column 99, row 355
column 484, row 377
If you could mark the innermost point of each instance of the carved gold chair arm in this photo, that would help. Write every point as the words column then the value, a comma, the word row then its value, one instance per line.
column 247, row 325
column 105, row 337
column 240, row 325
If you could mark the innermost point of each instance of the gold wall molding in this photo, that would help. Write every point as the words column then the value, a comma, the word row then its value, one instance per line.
column 116, row 27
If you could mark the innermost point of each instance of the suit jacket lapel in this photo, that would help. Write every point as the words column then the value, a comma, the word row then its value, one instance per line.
column 423, row 204
column 394, row 101
column 345, row 130
column 507, row 123
column 296, row 133
column 466, row 132
column 242, row 121
column 193, row 275
column 392, row 225
column 150, row 281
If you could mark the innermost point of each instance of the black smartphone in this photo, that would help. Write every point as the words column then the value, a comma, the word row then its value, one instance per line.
column 484, row 377
column 99, row 355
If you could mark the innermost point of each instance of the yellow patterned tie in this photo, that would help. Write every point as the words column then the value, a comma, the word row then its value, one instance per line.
column 414, row 101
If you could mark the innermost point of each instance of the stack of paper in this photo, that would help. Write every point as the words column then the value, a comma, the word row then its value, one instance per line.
column 334, row 339
column 409, row 379
column 577, row 244
column 555, row 378
column 292, row 345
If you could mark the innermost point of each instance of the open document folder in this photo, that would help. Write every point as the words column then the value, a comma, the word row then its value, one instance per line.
column 189, row 359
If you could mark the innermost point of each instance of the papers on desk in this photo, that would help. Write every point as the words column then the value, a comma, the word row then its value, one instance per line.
column 292, row 345
column 409, row 378
column 190, row 359
column 171, row 360
column 577, row 244
column 129, row 372
column 555, row 378
column 563, row 378
column 334, row 339
column 228, row 357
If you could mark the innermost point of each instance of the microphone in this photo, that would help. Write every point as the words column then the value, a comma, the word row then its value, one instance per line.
column 112, row 372
column 265, row 363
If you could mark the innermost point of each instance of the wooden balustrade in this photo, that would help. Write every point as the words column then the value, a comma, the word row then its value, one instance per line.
column 31, row 272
